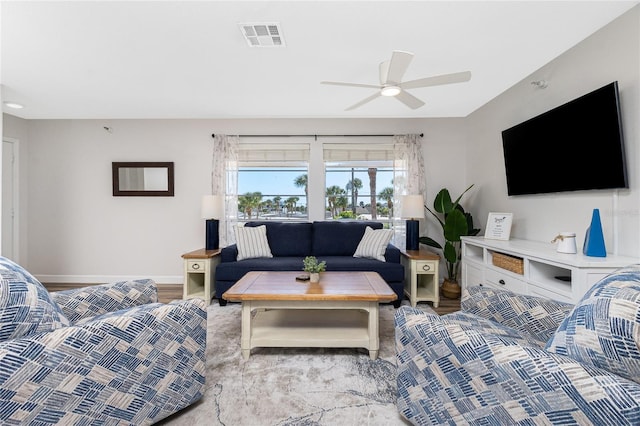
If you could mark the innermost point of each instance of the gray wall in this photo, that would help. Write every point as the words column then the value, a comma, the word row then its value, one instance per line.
column 75, row 231
column 611, row 54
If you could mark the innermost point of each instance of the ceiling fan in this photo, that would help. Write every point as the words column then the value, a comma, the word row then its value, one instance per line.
column 391, row 84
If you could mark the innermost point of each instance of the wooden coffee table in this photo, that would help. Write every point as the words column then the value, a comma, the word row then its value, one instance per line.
column 341, row 311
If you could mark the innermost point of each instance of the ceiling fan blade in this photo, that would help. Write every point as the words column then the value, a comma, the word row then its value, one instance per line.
column 409, row 100
column 338, row 83
column 458, row 77
column 398, row 66
column 364, row 101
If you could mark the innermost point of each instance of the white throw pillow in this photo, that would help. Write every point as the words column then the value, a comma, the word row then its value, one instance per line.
column 374, row 243
column 252, row 242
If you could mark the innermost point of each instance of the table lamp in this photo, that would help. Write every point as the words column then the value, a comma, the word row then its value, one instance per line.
column 212, row 209
column 412, row 208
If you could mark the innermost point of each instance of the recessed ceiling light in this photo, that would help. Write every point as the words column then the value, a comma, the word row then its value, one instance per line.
column 13, row 105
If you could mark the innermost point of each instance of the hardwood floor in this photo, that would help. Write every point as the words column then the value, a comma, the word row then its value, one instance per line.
column 169, row 292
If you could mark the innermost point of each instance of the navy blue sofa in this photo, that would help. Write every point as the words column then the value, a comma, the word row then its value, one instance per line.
column 332, row 241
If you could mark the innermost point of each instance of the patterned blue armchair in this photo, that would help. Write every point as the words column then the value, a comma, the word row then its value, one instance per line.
column 509, row 359
column 106, row 354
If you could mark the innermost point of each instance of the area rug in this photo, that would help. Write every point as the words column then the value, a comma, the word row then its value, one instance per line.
column 293, row 386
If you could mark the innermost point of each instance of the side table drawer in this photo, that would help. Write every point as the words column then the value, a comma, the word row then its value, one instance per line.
column 196, row 265
column 425, row 266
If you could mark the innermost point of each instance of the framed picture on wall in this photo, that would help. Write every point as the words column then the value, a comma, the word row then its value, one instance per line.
column 498, row 226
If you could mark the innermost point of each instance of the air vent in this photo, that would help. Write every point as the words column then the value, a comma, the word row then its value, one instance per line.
column 266, row 34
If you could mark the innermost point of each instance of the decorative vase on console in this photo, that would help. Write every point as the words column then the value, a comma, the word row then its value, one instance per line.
column 594, row 238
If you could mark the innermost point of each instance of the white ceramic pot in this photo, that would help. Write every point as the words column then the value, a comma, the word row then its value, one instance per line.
column 567, row 242
column 314, row 277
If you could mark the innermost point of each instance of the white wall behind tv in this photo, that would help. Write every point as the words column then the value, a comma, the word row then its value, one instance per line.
column 611, row 54
column 74, row 230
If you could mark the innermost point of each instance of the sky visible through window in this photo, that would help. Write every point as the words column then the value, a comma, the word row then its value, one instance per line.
column 280, row 181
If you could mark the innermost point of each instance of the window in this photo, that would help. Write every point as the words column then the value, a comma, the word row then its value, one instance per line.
column 349, row 191
column 272, row 181
column 353, row 178
column 359, row 181
column 308, row 178
column 272, row 193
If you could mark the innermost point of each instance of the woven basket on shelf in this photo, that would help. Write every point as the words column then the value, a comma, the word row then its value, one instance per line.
column 510, row 263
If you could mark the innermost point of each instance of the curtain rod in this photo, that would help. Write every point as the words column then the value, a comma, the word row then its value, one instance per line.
column 213, row 135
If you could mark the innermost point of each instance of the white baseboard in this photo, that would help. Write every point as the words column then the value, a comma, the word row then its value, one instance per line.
column 101, row 279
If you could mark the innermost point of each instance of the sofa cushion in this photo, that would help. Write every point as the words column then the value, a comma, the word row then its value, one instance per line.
column 252, row 242
column 287, row 238
column 374, row 243
column 233, row 271
column 603, row 330
column 390, row 272
column 26, row 307
column 338, row 238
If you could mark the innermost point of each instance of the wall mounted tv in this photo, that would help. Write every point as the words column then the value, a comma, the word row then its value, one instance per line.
column 576, row 146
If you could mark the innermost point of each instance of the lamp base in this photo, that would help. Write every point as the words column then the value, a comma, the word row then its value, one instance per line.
column 212, row 235
column 413, row 235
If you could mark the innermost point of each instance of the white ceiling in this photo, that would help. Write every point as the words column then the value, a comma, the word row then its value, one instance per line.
column 171, row 59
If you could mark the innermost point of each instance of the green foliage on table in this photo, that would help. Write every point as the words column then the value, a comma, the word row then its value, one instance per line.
column 311, row 265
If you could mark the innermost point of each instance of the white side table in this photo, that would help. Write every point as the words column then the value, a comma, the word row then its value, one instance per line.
column 200, row 274
column 421, row 276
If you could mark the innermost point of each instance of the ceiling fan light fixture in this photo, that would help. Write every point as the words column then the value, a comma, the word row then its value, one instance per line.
column 390, row 91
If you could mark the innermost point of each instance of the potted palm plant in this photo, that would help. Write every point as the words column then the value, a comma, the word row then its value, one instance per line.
column 455, row 223
column 313, row 267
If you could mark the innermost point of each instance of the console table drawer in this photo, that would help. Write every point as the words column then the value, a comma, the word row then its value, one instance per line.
column 502, row 280
column 196, row 265
column 425, row 266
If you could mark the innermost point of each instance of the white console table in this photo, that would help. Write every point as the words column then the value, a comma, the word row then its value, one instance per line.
column 546, row 273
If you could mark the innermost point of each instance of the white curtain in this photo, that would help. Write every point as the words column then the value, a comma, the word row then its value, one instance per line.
column 409, row 179
column 224, row 181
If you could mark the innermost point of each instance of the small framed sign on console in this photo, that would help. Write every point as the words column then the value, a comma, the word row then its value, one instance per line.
column 498, row 226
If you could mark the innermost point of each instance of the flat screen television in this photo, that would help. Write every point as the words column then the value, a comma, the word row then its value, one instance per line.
column 573, row 147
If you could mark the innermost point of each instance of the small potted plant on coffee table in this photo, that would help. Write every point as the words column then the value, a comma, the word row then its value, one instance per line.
column 313, row 267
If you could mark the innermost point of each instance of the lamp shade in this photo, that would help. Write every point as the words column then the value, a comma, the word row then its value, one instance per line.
column 412, row 206
column 212, row 207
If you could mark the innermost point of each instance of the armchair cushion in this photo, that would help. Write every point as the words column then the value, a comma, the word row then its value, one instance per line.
column 87, row 302
column 532, row 315
column 603, row 330
column 449, row 373
column 26, row 307
column 135, row 365
column 129, row 367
